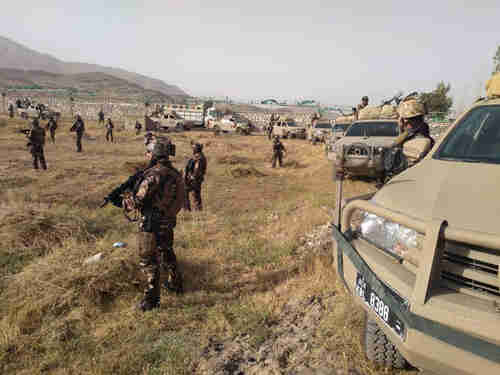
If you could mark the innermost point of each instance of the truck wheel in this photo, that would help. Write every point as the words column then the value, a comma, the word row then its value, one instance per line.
column 379, row 349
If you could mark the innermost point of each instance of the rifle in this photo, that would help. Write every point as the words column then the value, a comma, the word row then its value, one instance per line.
column 188, row 170
column 25, row 131
column 115, row 197
column 396, row 98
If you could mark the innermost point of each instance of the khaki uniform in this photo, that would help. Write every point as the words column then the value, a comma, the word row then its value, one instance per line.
column 194, row 177
column 36, row 143
column 410, row 133
column 159, row 198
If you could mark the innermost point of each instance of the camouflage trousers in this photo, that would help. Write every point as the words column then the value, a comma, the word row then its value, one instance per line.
column 37, row 155
column 79, row 142
column 157, row 257
column 109, row 136
column 277, row 157
column 53, row 136
column 193, row 191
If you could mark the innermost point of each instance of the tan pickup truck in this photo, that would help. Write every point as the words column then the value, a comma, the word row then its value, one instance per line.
column 421, row 256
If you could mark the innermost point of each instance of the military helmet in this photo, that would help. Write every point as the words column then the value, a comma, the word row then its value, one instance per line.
column 35, row 122
column 161, row 148
column 276, row 137
column 364, row 98
column 411, row 107
column 197, row 147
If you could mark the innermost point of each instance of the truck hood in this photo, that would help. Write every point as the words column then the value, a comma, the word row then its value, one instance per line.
column 466, row 195
column 371, row 141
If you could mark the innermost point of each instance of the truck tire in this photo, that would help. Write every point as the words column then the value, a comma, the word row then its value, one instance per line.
column 379, row 349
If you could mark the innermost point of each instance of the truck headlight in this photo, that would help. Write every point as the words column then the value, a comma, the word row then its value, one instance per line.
column 390, row 236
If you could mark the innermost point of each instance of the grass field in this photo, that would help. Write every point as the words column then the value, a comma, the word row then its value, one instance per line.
column 238, row 256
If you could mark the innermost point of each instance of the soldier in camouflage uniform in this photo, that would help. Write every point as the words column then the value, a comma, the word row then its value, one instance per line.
column 79, row 128
column 51, row 127
column 109, row 131
column 36, row 142
column 278, row 150
column 11, row 110
column 193, row 177
column 159, row 198
column 101, row 117
column 138, row 127
column 412, row 122
column 148, row 138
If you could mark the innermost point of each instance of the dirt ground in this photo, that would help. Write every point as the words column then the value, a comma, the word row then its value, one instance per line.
column 260, row 296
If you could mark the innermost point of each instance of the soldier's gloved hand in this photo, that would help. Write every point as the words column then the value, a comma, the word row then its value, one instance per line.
column 128, row 203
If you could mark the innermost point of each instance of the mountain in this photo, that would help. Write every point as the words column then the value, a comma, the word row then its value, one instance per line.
column 95, row 82
column 18, row 57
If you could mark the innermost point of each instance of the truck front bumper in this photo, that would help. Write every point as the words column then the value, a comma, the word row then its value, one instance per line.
column 425, row 342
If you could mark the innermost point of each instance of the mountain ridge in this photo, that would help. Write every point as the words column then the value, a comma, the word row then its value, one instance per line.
column 18, row 57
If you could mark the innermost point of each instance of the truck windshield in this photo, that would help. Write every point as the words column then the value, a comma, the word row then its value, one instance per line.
column 323, row 125
column 373, row 129
column 475, row 139
column 340, row 127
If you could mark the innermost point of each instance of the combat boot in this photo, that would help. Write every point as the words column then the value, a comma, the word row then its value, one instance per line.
column 173, row 281
column 148, row 305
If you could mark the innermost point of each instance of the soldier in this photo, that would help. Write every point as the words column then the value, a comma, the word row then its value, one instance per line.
column 36, row 142
column 193, row 177
column 79, row 128
column 138, row 127
column 412, row 123
column 101, row 117
column 148, row 138
column 109, row 130
column 51, row 127
column 278, row 150
column 11, row 110
column 363, row 104
column 314, row 118
column 159, row 198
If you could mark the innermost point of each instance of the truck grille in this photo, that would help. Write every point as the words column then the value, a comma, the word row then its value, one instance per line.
column 358, row 150
column 471, row 269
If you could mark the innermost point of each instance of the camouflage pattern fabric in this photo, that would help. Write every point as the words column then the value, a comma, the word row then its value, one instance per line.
column 79, row 128
column 36, row 142
column 194, row 181
column 278, row 149
column 109, row 132
column 162, row 192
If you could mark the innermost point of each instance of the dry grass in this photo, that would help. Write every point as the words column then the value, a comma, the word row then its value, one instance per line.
column 59, row 316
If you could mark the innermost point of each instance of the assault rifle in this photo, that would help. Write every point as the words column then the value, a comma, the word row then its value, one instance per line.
column 187, row 171
column 24, row 131
column 115, row 197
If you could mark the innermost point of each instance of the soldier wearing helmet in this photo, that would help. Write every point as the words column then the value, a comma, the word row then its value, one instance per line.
column 194, row 175
column 79, row 128
column 159, row 197
column 36, row 142
column 109, row 130
column 278, row 150
column 51, row 127
column 359, row 107
column 411, row 113
column 148, row 138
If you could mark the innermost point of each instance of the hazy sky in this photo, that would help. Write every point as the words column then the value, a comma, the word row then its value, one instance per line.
column 331, row 51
